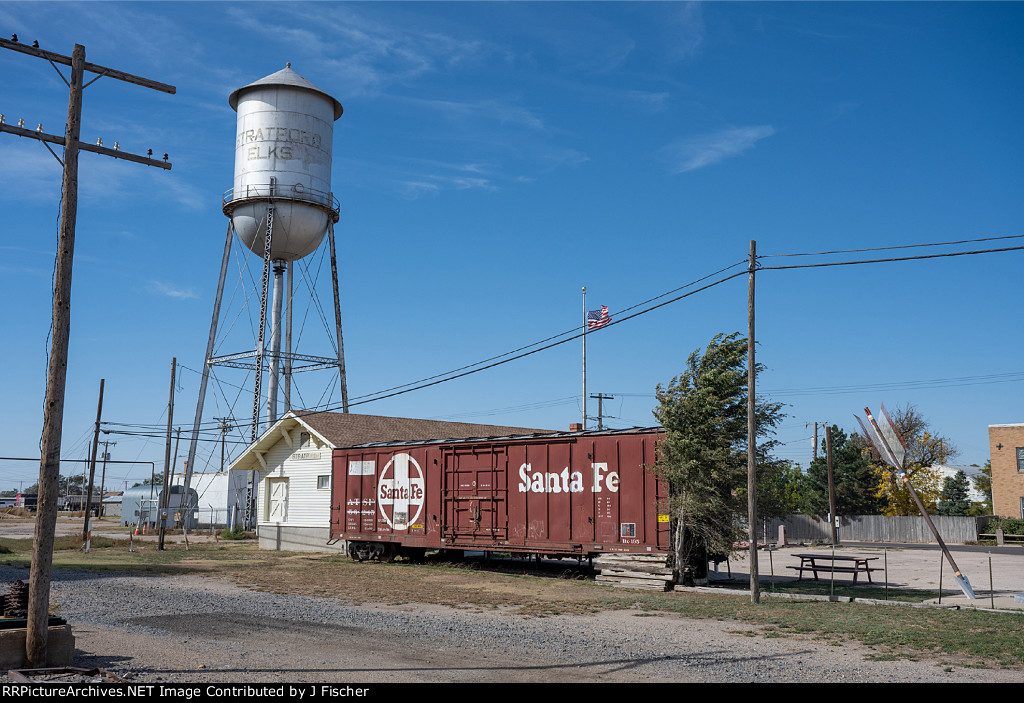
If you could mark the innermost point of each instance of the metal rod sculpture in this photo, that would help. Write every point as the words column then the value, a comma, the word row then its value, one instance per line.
column 892, row 449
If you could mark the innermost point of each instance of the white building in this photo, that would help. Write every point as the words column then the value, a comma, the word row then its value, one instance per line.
column 293, row 462
column 949, row 471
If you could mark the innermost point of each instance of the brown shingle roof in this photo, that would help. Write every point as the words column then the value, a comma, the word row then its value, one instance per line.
column 347, row 429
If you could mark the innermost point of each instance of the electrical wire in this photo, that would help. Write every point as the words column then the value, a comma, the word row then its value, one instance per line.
column 574, row 333
column 619, row 320
column 899, row 246
column 882, row 261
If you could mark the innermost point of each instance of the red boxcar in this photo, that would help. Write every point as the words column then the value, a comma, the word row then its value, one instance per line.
column 573, row 493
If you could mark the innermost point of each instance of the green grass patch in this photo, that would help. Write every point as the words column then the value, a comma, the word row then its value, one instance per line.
column 841, row 589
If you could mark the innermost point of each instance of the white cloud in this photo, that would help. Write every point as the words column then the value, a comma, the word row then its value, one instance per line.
column 30, row 171
column 690, row 31
column 363, row 54
column 692, row 153
column 161, row 288
column 502, row 112
column 655, row 102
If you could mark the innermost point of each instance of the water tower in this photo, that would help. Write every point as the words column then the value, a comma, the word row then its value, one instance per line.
column 280, row 208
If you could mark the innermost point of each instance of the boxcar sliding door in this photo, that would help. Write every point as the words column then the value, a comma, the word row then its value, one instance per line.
column 475, row 492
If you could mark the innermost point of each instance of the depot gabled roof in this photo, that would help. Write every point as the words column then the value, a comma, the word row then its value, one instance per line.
column 341, row 430
column 288, row 78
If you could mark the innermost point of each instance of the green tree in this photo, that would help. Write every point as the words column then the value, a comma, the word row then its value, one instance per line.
column 71, row 484
column 955, row 498
column 852, row 475
column 703, row 457
column 157, row 481
column 780, row 487
column 983, row 484
column 925, row 451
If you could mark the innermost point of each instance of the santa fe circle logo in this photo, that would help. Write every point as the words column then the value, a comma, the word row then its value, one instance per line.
column 400, row 491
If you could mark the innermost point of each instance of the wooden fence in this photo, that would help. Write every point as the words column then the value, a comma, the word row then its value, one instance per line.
column 879, row 528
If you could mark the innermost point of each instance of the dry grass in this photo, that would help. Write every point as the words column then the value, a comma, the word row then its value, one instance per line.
column 971, row 638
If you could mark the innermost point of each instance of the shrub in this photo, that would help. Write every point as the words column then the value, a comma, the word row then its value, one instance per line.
column 236, row 533
column 1009, row 525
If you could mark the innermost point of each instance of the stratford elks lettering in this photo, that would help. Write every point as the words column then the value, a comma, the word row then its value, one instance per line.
column 279, row 134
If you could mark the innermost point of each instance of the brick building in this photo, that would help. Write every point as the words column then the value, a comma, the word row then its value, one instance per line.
column 1006, row 447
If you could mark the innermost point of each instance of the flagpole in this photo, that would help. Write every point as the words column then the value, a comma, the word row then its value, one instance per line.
column 584, row 358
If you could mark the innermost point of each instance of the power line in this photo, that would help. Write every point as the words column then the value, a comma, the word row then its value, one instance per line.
column 900, row 246
column 549, row 342
column 882, row 261
column 549, row 346
column 423, row 384
column 514, row 354
column 574, row 331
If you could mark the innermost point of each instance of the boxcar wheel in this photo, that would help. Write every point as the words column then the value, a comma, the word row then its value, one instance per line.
column 360, row 551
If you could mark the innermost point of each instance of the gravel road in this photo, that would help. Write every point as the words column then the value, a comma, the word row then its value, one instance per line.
column 194, row 629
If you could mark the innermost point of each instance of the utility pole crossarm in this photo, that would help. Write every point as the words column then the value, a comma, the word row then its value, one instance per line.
column 90, row 67
column 105, row 151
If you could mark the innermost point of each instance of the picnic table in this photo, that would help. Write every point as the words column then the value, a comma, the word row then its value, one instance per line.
column 837, row 563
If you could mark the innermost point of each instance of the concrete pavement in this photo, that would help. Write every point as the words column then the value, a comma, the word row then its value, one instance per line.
column 996, row 574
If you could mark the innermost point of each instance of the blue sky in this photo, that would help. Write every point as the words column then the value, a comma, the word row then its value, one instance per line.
column 495, row 157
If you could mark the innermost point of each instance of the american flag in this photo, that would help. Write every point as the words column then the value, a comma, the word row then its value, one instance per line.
column 598, row 318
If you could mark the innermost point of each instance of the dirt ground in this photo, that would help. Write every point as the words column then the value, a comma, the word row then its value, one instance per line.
column 241, row 636
column 232, row 632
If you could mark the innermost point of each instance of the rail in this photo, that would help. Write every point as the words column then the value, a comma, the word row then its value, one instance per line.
column 1006, row 538
column 234, row 197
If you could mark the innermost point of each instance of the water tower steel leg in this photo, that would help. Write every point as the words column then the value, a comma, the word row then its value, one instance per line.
column 337, row 321
column 214, row 321
column 273, row 376
column 263, row 325
column 288, row 344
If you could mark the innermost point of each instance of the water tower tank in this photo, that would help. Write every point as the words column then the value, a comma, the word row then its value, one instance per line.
column 283, row 142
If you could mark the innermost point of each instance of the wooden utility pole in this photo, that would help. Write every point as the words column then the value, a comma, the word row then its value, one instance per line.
column 601, row 397
column 166, row 488
column 833, row 531
column 815, row 450
column 53, row 409
column 103, row 475
column 224, row 428
column 92, row 463
column 755, row 586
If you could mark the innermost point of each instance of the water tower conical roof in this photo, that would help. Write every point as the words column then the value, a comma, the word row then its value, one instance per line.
column 285, row 77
